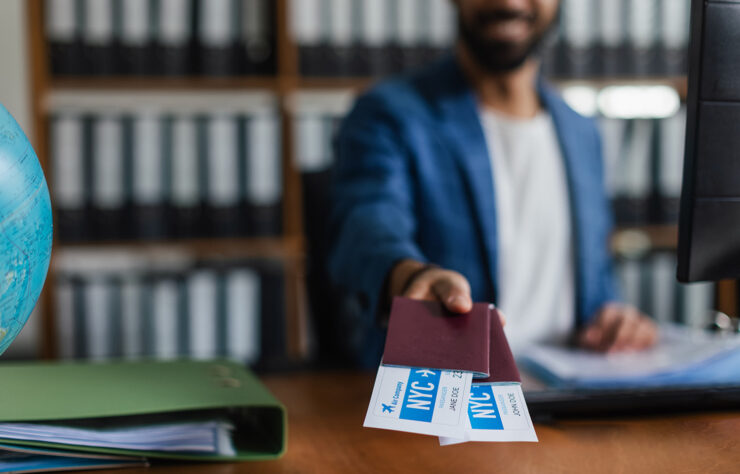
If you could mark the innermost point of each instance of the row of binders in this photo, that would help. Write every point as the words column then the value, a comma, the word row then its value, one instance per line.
column 369, row 37
column 154, row 175
column 593, row 38
column 204, row 311
column 344, row 37
column 649, row 283
column 615, row 38
column 644, row 167
column 314, row 134
column 643, row 159
column 161, row 37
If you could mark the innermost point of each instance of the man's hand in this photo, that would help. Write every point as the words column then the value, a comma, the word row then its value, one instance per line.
column 618, row 327
column 416, row 280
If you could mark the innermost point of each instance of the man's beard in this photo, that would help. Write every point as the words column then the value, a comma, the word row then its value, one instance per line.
column 496, row 56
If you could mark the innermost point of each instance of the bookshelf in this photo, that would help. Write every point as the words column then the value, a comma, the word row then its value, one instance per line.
column 289, row 248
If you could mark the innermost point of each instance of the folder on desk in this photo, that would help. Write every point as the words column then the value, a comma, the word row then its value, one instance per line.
column 682, row 357
column 66, row 401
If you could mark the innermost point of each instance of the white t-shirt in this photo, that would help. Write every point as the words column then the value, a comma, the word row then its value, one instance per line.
column 536, row 289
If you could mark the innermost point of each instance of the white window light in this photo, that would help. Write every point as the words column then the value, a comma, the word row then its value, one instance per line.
column 630, row 102
column 582, row 99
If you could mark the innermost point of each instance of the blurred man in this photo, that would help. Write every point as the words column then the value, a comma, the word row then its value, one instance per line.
column 473, row 181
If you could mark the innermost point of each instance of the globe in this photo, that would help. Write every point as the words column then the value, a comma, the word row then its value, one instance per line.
column 25, row 229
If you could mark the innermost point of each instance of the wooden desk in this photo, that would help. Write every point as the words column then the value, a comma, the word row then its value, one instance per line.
column 325, row 435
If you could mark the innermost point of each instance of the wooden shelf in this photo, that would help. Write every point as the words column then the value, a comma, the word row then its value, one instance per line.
column 164, row 83
column 281, row 84
column 275, row 83
column 678, row 82
column 632, row 240
column 354, row 83
column 264, row 247
column 358, row 83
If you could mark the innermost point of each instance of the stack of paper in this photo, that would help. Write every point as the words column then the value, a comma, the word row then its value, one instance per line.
column 682, row 357
column 426, row 383
column 22, row 459
column 212, row 437
column 202, row 438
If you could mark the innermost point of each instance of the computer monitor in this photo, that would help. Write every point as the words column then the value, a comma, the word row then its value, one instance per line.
column 709, row 222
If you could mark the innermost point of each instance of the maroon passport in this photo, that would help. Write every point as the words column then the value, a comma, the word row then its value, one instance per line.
column 425, row 334
column 502, row 365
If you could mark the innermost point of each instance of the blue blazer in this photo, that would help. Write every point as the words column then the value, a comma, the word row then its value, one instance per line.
column 413, row 180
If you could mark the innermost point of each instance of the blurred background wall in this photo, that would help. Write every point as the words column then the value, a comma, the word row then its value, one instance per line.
column 188, row 150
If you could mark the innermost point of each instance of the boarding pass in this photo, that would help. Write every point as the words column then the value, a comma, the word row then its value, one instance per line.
column 496, row 412
column 417, row 400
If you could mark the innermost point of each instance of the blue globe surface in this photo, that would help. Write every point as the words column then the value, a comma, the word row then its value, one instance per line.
column 25, row 229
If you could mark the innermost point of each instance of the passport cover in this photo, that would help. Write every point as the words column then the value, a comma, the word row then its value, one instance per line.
column 424, row 334
column 46, row 392
column 502, row 364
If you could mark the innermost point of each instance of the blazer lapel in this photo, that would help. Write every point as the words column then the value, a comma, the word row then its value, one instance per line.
column 462, row 129
column 460, row 125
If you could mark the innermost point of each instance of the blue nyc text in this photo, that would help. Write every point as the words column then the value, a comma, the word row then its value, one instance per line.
column 482, row 409
column 421, row 392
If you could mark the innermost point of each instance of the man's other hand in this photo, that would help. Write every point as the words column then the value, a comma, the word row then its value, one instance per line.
column 618, row 327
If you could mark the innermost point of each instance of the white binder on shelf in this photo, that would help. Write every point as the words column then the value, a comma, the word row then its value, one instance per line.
column 165, row 315
column 670, row 178
column 307, row 30
column 217, row 38
column 637, row 176
column 312, row 152
column 697, row 303
column 264, row 173
column 136, row 38
column 674, row 36
column 257, row 33
column 629, row 272
column 202, row 313
column 68, row 175
column 612, row 31
column 643, row 34
column 223, row 175
column 173, row 36
column 442, row 27
column 408, row 35
column 579, row 37
column 243, row 323
column 374, row 39
column 663, row 287
column 185, row 191
column 97, row 37
column 148, row 176
column 97, row 326
column 131, row 317
column 64, row 317
column 108, row 184
column 340, row 38
column 63, row 33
